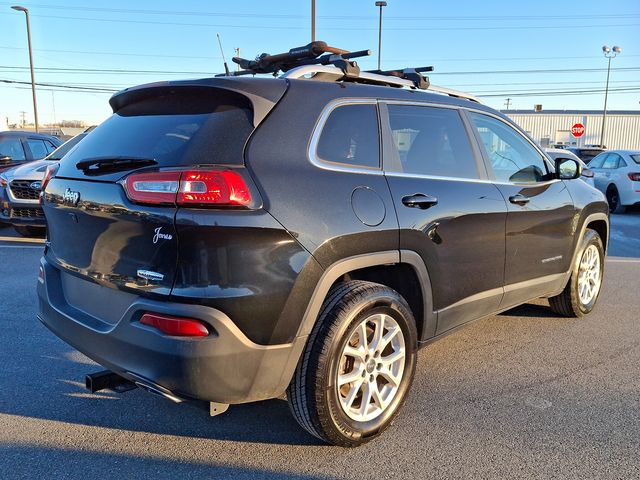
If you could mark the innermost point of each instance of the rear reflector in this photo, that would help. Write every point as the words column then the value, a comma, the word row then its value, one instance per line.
column 175, row 326
column 634, row 177
column 189, row 187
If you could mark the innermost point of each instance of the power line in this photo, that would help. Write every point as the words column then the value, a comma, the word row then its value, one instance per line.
column 351, row 28
column 69, row 87
column 546, row 18
column 176, row 72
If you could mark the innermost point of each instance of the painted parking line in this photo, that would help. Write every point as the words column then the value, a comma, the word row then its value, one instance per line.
column 623, row 260
column 21, row 240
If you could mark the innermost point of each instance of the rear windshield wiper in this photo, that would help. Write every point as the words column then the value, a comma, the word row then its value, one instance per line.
column 98, row 165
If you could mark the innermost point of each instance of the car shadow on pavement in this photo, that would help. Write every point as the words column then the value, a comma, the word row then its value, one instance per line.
column 532, row 310
column 59, row 462
column 59, row 395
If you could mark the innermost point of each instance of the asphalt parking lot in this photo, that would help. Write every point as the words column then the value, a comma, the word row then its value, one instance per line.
column 524, row 394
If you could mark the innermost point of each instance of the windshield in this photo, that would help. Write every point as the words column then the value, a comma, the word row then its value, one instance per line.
column 63, row 149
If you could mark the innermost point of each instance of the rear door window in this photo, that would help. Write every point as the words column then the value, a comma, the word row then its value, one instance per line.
column 350, row 136
column 12, row 147
column 187, row 126
column 610, row 162
column 430, row 141
column 37, row 147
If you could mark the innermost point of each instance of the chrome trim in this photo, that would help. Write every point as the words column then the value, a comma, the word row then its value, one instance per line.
column 149, row 275
column 317, row 132
column 13, row 198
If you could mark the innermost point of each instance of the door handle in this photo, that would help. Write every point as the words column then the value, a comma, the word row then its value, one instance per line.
column 519, row 199
column 419, row 200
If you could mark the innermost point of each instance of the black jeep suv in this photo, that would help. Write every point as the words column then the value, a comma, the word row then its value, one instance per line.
column 236, row 239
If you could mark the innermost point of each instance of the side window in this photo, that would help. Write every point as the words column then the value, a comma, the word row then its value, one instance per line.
column 12, row 147
column 598, row 160
column 430, row 141
column 49, row 146
column 621, row 163
column 512, row 157
column 37, row 147
column 350, row 137
column 610, row 162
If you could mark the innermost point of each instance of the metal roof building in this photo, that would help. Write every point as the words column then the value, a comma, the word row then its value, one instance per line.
column 553, row 127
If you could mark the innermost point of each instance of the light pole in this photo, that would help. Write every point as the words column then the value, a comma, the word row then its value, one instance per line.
column 313, row 20
column 33, row 78
column 380, row 4
column 609, row 53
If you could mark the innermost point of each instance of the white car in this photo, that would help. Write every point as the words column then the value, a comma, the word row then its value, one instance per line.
column 617, row 175
column 587, row 174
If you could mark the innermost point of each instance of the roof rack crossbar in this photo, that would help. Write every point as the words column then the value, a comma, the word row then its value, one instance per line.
column 373, row 78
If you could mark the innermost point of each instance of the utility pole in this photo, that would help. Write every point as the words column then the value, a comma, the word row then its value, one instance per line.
column 380, row 4
column 33, row 79
column 313, row 20
column 23, row 118
column 609, row 53
column 237, row 50
column 507, row 102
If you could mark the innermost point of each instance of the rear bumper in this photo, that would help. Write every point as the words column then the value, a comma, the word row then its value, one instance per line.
column 224, row 367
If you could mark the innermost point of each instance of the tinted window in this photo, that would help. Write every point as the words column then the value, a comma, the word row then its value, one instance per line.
column 430, row 141
column 11, row 147
column 37, row 147
column 598, row 161
column 512, row 157
column 184, row 127
column 635, row 157
column 350, row 136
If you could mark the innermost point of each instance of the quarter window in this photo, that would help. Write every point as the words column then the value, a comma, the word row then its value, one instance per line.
column 350, row 136
column 512, row 157
column 430, row 141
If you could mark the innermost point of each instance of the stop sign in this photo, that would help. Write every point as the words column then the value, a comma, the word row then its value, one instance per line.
column 577, row 130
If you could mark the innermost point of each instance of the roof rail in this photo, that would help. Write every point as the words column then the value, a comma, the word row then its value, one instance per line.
column 331, row 73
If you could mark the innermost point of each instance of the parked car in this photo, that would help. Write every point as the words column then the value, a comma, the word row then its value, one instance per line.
column 617, row 174
column 20, row 147
column 20, row 191
column 587, row 175
column 232, row 239
column 586, row 154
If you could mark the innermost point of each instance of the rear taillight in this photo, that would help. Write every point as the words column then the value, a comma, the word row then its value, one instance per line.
column 49, row 173
column 155, row 187
column 189, row 187
column 175, row 326
column 634, row 177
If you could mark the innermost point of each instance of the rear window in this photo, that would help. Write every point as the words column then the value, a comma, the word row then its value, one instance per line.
column 635, row 157
column 180, row 128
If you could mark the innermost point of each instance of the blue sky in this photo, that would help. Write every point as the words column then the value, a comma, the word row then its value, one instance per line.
column 455, row 36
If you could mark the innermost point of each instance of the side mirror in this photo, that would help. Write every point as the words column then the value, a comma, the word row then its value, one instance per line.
column 568, row 169
column 5, row 159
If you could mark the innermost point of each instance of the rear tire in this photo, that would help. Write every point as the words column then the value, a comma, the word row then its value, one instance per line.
column 27, row 231
column 351, row 382
column 581, row 293
column 613, row 199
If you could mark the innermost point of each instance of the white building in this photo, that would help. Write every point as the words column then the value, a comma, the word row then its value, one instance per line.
column 553, row 127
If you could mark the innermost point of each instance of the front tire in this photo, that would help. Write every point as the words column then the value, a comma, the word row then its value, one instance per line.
column 358, row 365
column 580, row 295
